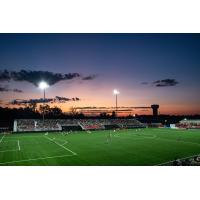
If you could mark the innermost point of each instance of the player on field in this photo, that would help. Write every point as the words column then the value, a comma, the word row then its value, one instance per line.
column 109, row 136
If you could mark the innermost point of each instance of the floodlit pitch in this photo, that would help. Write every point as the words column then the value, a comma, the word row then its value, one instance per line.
column 124, row 147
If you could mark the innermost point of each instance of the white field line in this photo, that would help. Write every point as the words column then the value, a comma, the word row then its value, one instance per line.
column 8, row 150
column 65, row 143
column 61, row 145
column 32, row 159
column 2, row 138
column 18, row 145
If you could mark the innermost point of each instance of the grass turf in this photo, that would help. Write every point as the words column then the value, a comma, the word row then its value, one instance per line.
column 124, row 147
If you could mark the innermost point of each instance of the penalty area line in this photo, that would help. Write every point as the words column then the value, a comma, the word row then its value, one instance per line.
column 60, row 145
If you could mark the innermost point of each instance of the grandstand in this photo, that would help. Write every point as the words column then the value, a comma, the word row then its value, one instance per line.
column 30, row 125
column 189, row 124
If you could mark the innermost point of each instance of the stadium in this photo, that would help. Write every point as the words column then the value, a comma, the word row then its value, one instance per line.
column 99, row 100
column 99, row 141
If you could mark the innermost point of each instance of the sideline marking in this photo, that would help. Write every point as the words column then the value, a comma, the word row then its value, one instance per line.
column 60, row 145
column 18, row 145
column 32, row 159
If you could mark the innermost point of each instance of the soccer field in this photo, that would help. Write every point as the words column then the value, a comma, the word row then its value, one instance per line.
column 125, row 147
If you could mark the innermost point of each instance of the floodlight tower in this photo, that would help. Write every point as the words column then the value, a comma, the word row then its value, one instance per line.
column 115, row 92
column 43, row 85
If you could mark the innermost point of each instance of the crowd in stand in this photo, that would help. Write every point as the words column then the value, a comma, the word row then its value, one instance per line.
column 68, row 122
column 189, row 124
column 47, row 125
column 128, row 123
column 25, row 125
column 37, row 125
column 93, row 124
column 101, row 123
column 193, row 161
column 85, row 124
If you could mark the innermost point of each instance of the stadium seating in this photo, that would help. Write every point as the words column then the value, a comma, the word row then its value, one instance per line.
column 189, row 124
column 128, row 123
column 91, row 124
column 37, row 125
column 26, row 125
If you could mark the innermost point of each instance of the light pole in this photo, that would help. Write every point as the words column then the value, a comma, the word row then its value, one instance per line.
column 115, row 92
column 43, row 85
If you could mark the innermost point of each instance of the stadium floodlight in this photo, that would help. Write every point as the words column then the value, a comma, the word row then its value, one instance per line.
column 43, row 85
column 115, row 92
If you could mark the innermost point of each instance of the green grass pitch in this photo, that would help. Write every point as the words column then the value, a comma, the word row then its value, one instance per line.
column 124, row 147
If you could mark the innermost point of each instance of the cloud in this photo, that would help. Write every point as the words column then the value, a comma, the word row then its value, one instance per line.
column 4, row 75
column 57, row 99
column 90, row 77
column 35, row 77
column 17, row 90
column 29, row 101
column 6, row 89
column 144, row 83
column 162, row 83
column 165, row 83
column 64, row 99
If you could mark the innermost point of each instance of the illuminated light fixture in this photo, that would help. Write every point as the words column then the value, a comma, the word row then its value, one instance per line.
column 116, row 92
column 43, row 85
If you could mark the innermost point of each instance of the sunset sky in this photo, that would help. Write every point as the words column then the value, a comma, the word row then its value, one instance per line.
column 147, row 69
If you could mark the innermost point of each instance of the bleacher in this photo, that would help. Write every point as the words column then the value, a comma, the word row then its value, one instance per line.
column 128, row 123
column 34, row 125
column 189, row 124
column 91, row 124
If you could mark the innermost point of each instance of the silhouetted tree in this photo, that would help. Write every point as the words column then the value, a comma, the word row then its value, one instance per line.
column 45, row 109
column 33, row 106
column 104, row 115
column 73, row 111
column 113, row 114
column 55, row 111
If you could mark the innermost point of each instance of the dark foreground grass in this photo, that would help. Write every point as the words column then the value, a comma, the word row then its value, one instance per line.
column 124, row 147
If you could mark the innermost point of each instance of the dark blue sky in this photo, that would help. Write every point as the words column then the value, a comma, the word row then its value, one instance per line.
column 121, row 61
